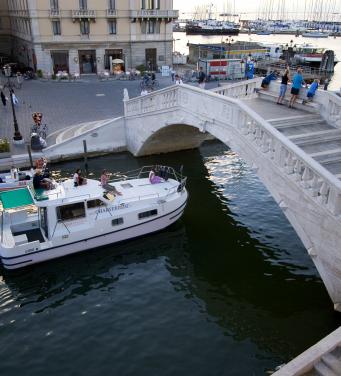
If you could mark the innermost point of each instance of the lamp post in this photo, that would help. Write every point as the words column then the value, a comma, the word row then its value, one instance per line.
column 174, row 40
column 17, row 138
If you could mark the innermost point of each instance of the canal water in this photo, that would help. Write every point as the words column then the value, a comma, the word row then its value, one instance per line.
column 227, row 290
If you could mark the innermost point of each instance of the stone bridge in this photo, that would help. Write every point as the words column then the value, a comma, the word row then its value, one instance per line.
column 296, row 153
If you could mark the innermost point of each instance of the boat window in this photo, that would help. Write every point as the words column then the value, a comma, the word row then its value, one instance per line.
column 43, row 221
column 71, row 211
column 147, row 214
column 94, row 203
column 117, row 221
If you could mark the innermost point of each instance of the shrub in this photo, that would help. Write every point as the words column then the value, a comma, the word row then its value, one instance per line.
column 141, row 68
column 4, row 145
column 40, row 73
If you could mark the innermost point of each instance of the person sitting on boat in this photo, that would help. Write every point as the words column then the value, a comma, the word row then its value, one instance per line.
column 39, row 182
column 311, row 91
column 78, row 179
column 153, row 178
column 40, row 163
column 105, row 183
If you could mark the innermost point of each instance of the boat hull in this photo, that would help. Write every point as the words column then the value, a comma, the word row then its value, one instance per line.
column 117, row 236
column 200, row 31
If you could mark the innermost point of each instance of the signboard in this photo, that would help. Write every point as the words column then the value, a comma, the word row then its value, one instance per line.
column 165, row 70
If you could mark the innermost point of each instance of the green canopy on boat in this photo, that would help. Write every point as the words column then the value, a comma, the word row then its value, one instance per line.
column 16, row 198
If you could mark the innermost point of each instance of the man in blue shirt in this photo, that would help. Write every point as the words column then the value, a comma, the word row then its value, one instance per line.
column 297, row 83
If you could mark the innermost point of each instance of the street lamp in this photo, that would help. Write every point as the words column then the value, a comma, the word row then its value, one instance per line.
column 17, row 138
column 174, row 40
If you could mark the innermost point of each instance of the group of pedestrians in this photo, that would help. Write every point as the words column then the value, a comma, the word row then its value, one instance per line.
column 297, row 83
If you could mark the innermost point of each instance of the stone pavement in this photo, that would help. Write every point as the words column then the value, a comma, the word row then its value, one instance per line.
column 64, row 104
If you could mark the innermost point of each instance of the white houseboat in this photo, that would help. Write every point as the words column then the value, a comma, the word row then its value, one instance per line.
column 39, row 226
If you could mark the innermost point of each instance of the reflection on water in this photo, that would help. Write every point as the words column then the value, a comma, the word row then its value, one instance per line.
column 228, row 289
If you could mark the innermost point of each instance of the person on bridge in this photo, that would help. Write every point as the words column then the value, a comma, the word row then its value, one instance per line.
column 201, row 78
column 266, row 80
column 178, row 80
column 297, row 83
column 311, row 92
column 284, row 85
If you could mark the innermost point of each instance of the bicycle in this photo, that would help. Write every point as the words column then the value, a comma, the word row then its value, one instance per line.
column 40, row 130
column 149, row 85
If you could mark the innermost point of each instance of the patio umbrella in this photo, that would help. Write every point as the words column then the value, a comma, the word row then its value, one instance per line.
column 117, row 61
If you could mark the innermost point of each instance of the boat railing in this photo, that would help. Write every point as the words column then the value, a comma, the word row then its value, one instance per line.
column 76, row 196
column 144, row 171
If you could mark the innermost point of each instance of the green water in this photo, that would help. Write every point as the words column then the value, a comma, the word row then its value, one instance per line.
column 227, row 290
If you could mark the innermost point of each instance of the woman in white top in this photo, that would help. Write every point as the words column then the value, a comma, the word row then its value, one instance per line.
column 178, row 80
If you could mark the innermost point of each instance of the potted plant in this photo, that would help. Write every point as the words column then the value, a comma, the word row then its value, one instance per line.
column 4, row 148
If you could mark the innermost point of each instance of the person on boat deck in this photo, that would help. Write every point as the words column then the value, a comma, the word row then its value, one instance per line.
column 40, row 182
column 40, row 163
column 105, row 183
column 153, row 178
column 78, row 179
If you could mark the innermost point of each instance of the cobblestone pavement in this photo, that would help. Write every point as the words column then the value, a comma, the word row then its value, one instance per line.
column 67, row 103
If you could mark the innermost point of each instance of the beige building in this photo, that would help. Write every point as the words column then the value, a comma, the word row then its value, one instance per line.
column 85, row 36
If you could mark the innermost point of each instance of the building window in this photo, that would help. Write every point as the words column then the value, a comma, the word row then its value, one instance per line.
column 112, row 26
column 91, row 204
column 85, row 27
column 56, row 27
column 147, row 214
column 83, row 4
column 111, row 4
column 150, row 27
column 69, row 212
column 117, row 222
column 54, row 4
column 150, row 4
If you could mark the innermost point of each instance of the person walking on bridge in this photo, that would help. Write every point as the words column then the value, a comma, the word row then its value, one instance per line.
column 284, row 85
column 297, row 83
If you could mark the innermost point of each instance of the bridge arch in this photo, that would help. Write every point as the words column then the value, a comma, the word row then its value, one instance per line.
column 308, row 193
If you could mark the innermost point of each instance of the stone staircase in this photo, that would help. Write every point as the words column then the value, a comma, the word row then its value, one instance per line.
column 328, row 365
column 315, row 137
column 75, row 130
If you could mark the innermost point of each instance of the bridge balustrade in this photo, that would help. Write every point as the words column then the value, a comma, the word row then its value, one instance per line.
column 218, row 111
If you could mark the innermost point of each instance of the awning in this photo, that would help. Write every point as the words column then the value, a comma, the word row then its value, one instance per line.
column 16, row 198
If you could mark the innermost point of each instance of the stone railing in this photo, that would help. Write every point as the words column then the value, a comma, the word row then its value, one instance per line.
column 242, row 89
column 215, row 109
column 83, row 13
column 157, row 101
column 54, row 13
column 154, row 13
column 112, row 13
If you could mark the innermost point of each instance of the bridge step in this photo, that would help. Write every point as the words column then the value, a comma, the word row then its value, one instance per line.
column 327, row 156
column 308, row 107
column 316, row 137
column 300, row 119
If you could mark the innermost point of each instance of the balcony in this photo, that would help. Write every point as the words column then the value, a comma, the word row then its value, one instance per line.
column 154, row 13
column 81, row 14
column 111, row 13
column 54, row 13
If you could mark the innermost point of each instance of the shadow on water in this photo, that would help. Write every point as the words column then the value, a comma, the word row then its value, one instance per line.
column 212, row 294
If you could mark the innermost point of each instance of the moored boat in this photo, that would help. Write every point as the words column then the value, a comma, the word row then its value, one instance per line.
column 41, row 225
column 15, row 179
column 315, row 34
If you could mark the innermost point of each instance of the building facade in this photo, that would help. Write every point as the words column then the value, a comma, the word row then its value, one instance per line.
column 86, row 36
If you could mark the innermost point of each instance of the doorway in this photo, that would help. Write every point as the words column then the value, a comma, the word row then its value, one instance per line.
column 87, row 61
column 60, row 61
column 151, row 59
